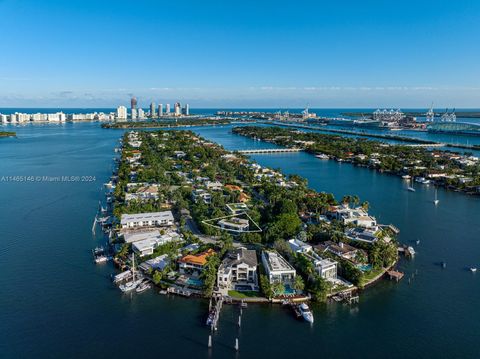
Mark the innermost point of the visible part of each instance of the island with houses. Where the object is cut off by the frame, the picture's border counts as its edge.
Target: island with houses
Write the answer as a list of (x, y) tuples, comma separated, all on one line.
[(187, 217)]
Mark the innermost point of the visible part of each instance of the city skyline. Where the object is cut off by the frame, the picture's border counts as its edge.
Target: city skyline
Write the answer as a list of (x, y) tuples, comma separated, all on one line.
[(240, 56)]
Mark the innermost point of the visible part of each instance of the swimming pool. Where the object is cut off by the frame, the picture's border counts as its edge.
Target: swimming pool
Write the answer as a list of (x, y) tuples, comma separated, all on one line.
[(364, 267), (195, 282), (288, 290)]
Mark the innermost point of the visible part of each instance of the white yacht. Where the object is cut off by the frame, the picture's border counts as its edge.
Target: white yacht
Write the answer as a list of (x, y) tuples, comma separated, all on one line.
[(306, 313), (436, 201), (322, 156)]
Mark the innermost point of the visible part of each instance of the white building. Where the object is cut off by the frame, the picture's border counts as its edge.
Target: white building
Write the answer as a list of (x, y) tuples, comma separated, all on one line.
[(134, 114), (277, 269), (146, 246), (141, 114), (201, 194), (234, 224), (167, 108), (158, 263), (160, 110), (152, 219), (238, 270), (298, 246), (214, 185), (121, 112), (3, 118), (357, 216)]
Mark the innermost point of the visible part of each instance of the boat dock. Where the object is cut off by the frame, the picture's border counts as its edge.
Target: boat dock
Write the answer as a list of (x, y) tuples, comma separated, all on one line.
[(214, 308), (395, 275)]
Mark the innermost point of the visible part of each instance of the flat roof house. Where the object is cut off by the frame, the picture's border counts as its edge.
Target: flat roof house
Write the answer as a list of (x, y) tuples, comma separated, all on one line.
[(146, 246), (153, 219), (238, 270), (299, 246), (277, 269), (234, 224)]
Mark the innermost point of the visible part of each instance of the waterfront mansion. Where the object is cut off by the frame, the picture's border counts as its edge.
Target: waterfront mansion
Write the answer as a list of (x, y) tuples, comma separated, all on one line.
[(238, 271), (277, 269)]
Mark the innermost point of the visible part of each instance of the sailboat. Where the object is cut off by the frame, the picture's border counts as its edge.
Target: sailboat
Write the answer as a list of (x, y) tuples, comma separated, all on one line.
[(436, 201), (129, 286), (410, 187)]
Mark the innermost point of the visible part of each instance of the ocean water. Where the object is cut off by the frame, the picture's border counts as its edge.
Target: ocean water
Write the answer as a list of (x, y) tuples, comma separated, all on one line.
[(56, 303)]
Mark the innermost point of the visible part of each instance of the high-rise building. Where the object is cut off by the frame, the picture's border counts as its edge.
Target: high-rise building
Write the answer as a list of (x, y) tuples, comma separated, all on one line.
[(134, 114), (122, 112), (153, 109), (167, 108), (160, 110), (141, 113), (186, 109), (178, 109), (133, 103)]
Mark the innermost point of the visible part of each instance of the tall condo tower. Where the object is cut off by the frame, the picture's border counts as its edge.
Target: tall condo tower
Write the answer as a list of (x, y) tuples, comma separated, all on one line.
[(167, 108), (160, 110), (133, 103), (153, 109)]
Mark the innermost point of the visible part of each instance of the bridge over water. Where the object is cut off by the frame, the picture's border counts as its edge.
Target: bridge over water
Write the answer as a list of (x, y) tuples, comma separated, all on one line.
[(270, 150)]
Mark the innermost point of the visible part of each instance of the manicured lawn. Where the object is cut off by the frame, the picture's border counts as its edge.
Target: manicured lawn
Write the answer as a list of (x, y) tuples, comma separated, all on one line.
[(368, 276), (246, 294)]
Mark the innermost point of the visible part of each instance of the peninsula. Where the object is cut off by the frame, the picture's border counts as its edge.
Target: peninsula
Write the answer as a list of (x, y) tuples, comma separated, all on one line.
[(195, 219)]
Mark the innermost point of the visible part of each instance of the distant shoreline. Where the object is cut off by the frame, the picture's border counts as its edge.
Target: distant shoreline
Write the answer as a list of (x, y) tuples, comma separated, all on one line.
[(7, 134)]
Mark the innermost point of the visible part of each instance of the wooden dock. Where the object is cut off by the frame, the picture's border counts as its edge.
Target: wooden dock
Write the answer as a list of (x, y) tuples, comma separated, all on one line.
[(395, 275)]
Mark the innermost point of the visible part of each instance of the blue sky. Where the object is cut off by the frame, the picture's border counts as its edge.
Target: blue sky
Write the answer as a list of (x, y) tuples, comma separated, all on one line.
[(240, 53)]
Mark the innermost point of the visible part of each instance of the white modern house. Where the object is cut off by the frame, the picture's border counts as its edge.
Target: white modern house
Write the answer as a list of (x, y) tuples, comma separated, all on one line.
[(234, 224), (238, 270), (299, 246), (325, 267), (357, 216), (214, 185), (201, 194), (153, 219), (157, 263), (277, 269), (146, 246)]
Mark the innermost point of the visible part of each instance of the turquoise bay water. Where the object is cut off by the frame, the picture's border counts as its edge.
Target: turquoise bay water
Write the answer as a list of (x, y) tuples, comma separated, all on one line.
[(55, 302)]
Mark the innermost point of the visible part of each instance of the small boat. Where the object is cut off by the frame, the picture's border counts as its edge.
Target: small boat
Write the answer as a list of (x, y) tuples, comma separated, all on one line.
[(436, 201), (306, 313), (142, 287), (411, 251), (410, 187), (473, 269), (444, 264), (417, 242), (406, 177), (322, 156), (211, 317)]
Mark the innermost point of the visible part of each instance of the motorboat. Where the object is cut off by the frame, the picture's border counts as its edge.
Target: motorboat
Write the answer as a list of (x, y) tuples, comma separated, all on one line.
[(473, 269), (322, 156), (306, 313), (142, 287)]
